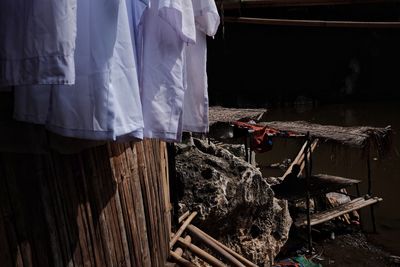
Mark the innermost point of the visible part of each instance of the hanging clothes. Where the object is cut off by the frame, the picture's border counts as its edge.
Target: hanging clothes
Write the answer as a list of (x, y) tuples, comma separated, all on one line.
[(195, 112), (104, 103), (168, 28), (37, 42), (261, 135)]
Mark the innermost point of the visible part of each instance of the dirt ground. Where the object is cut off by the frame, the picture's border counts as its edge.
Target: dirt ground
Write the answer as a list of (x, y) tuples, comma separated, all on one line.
[(339, 245)]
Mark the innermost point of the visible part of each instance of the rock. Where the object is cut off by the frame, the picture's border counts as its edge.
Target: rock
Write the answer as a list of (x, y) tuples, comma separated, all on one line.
[(235, 203)]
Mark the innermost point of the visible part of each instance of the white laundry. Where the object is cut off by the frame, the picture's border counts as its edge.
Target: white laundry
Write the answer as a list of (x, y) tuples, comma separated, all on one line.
[(195, 112), (104, 103), (37, 42), (168, 28)]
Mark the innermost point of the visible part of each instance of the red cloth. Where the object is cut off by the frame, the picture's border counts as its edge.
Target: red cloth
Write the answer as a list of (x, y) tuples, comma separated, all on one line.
[(260, 141), (261, 136)]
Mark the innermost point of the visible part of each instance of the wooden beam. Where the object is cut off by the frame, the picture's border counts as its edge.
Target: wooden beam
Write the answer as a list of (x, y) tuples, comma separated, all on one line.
[(314, 23)]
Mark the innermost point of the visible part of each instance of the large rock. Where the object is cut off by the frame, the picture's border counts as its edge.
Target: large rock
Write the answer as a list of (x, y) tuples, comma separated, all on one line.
[(235, 203)]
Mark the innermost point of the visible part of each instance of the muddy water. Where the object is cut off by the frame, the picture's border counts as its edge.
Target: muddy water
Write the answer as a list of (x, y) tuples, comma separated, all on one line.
[(349, 162)]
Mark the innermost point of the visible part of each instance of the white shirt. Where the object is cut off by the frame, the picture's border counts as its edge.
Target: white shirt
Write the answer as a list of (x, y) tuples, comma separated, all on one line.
[(168, 27), (104, 103), (37, 42), (195, 112)]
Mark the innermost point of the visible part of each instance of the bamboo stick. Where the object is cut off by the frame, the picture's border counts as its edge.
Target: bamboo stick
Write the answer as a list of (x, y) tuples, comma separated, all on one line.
[(303, 163), (180, 260), (235, 254), (299, 155), (200, 253), (195, 231), (181, 229), (314, 23), (184, 216), (294, 3)]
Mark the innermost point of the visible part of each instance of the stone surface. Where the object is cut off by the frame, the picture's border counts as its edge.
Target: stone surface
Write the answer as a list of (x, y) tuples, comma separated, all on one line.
[(235, 203)]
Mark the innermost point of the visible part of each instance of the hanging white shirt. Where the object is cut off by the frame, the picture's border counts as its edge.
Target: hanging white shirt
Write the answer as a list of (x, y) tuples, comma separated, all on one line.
[(104, 103), (195, 112), (37, 42), (168, 27)]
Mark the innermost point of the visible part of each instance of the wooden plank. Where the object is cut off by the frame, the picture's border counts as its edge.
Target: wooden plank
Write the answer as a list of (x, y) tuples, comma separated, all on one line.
[(330, 214), (314, 23), (336, 179)]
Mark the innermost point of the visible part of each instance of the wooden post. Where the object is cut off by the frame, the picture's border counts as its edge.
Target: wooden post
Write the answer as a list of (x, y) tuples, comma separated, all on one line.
[(370, 190), (307, 168)]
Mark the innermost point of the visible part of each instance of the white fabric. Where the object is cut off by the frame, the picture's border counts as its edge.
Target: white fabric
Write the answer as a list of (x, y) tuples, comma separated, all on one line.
[(104, 103), (168, 27), (195, 112), (37, 42)]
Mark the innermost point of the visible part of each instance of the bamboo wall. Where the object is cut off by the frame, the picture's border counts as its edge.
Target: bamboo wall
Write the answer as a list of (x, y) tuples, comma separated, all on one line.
[(104, 206)]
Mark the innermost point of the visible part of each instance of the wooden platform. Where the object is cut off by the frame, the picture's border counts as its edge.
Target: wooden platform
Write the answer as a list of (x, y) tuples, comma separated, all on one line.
[(330, 214)]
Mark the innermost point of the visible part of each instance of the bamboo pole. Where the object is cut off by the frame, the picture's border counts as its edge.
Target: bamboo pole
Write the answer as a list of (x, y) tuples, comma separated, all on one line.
[(299, 155), (307, 166), (300, 158), (195, 231), (200, 253), (309, 153), (183, 217), (235, 254), (314, 23), (180, 260), (182, 229), (294, 3)]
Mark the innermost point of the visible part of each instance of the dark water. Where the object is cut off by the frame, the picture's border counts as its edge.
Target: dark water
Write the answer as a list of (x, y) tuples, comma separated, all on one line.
[(349, 162)]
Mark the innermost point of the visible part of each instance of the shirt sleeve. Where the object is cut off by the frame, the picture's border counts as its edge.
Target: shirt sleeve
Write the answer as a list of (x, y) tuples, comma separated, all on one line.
[(179, 14), (206, 16)]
